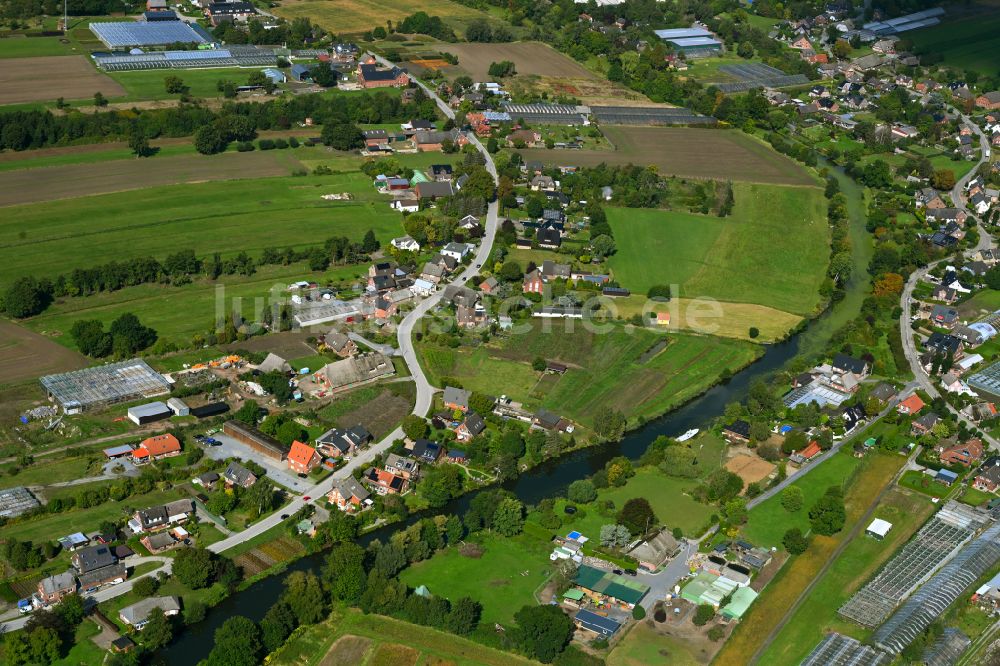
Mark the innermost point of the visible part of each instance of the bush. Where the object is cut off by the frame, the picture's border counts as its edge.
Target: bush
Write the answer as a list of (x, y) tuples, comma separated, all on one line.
[(703, 614), (266, 144), (638, 613), (244, 146), (716, 633)]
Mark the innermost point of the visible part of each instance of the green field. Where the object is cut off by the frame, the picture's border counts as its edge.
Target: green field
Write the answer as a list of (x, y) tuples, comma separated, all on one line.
[(33, 47), (969, 44), (769, 521), (496, 579), (643, 646), (609, 372), (772, 251), (148, 85), (856, 564)]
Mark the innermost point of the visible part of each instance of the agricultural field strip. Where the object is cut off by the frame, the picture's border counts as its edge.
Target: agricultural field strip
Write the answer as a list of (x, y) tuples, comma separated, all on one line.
[(45, 78)]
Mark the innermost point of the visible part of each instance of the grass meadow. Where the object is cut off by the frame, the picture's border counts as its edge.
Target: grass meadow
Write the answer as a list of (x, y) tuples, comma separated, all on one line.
[(862, 489), (859, 561), (605, 368), (772, 251)]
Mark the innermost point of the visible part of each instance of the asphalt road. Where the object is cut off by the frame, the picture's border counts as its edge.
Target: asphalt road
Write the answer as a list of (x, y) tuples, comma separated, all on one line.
[(424, 396)]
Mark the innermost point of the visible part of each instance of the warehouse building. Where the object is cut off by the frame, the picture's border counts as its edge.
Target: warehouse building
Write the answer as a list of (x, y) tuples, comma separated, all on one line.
[(256, 440), (148, 413), (692, 42), (93, 388)]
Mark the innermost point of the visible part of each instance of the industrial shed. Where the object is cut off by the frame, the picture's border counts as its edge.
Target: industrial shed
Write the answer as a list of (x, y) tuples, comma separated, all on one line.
[(604, 584), (739, 604), (104, 385), (148, 413), (256, 440)]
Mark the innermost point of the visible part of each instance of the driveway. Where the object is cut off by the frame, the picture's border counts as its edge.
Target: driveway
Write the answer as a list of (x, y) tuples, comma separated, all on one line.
[(277, 472), (661, 584)]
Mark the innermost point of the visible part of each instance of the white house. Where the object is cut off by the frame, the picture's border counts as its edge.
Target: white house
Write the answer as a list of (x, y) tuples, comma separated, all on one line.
[(422, 287), (457, 251), (406, 243)]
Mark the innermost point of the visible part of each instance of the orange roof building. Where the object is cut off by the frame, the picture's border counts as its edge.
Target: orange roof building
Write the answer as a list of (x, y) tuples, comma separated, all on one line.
[(810, 451), (302, 458), (912, 405), (156, 447)]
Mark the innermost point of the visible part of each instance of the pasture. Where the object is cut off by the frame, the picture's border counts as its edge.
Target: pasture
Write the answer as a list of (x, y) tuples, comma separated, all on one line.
[(25, 355), (33, 47), (359, 16), (48, 77), (969, 44), (148, 84), (730, 320), (687, 152), (772, 251)]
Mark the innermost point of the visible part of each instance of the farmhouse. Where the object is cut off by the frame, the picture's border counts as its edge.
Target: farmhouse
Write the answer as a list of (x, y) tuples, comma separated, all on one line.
[(156, 448), (433, 140), (340, 343), (653, 552), (227, 12), (965, 454), (354, 371), (371, 76), (989, 101), (53, 589)]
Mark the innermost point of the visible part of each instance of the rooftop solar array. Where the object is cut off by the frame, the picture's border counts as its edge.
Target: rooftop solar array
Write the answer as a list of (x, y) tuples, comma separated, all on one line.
[(756, 75), (105, 384), (938, 593), (933, 545), (125, 34), (229, 57), (641, 115)]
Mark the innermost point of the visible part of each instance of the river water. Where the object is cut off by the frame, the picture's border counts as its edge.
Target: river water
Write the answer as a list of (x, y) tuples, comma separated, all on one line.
[(551, 479)]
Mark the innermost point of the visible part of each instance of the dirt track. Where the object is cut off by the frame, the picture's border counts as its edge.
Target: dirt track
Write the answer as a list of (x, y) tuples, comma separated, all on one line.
[(45, 78), (24, 355), (77, 180)]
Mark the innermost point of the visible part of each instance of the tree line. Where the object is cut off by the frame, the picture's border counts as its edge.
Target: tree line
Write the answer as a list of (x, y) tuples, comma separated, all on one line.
[(36, 128)]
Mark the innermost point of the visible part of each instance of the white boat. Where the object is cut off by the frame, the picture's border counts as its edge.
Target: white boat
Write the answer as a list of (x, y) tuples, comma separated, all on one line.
[(688, 435)]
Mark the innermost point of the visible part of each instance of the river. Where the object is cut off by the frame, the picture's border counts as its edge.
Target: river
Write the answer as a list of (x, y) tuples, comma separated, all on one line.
[(553, 477)]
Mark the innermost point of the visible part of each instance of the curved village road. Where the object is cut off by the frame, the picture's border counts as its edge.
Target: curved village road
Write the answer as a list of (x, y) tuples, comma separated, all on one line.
[(424, 397)]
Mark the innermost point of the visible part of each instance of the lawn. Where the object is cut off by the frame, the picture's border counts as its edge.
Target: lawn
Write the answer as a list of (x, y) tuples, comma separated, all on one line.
[(969, 44), (33, 47), (857, 563), (503, 579), (772, 251), (922, 483), (782, 592), (768, 520), (605, 368), (730, 320), (53, 470)]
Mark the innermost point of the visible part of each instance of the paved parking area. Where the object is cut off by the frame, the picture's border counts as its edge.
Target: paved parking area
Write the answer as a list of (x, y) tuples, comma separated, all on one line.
[(277, 472)]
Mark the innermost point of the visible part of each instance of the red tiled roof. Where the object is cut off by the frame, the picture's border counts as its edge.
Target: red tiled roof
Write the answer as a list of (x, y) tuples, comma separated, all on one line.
[(810, 450), (159, 445), (912, 405), (301, 453)]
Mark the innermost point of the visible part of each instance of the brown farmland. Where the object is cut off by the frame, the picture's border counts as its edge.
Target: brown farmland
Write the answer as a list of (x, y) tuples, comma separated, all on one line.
[(528, 58), (25, 355), (48, 77), (77, 180), (688, 152)]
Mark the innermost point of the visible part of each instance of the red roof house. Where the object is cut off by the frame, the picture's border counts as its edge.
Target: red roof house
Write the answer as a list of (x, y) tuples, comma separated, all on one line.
[(302, 458), (912, 405)]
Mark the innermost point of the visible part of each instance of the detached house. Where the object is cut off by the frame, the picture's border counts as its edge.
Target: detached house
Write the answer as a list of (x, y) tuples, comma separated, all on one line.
[(928, 197), (472, 426), (965, 454), (407, 468), (347, 494), (302, 458), (238, 475), (924, 424), (737, 432), (988, 476), (456, 398), (370, 76)]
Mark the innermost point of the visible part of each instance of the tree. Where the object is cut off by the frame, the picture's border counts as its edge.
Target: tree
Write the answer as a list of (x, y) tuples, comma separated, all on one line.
[(581, 491), (370, 243), (745, 50), (100, 99), (703, 614), (276, 626), (158, 631), (344, 572), (602, 246), (138, 142), (795, 440), (129, 335), (794, 541), (174, 85), (723, 485), (637, 515), (609, 424), (415, 427), (679, 460), (539, 364), (792, 498), (615, 536), (194, 567), (41, 645), (260, 497), (25, 297), (511, 272), (736, 511), (508, 519), (754, 332), (542, 631), (145, 587), (324, 76), (210, 139), (464, 616), (237, 643), (638, 613), (342, 136), (842, 49), (828, 515), (248, 413), (305, 597), (91, 338), (480, 403), (943, 179)]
